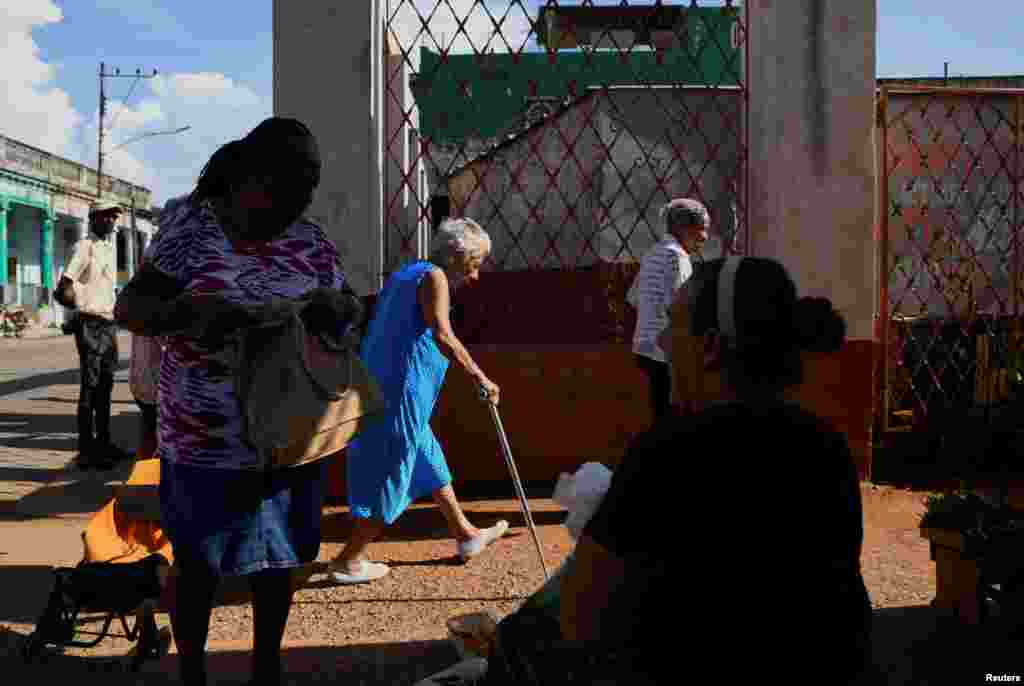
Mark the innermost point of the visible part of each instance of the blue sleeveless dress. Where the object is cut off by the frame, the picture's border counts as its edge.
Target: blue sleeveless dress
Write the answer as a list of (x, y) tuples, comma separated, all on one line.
[(398, 460)]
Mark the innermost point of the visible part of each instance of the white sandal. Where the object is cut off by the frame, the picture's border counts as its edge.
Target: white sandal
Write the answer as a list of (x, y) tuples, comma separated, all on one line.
[(467, 550), (368, 571)]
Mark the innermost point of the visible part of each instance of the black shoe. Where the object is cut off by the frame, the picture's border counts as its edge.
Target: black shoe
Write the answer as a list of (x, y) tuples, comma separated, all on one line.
[(92, 460), (112, 453)]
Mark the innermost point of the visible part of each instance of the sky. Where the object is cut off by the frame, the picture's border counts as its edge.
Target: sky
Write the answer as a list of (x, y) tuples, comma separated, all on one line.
[(214, 67)]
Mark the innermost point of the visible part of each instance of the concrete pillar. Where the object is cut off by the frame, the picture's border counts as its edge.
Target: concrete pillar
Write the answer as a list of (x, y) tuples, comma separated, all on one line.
[(324, 76), (46, 253), (812, 98)]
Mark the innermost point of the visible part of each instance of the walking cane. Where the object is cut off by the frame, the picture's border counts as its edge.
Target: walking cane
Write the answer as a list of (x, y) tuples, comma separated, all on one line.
[(515, 477)]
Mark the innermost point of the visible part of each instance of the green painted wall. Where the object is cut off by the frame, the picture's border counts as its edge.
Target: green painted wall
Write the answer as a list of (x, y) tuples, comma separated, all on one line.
[(481, 96)]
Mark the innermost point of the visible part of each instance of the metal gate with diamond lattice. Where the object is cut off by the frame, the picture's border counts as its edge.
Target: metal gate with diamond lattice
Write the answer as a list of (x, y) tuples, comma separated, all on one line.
[(562, 128), (950, 305)]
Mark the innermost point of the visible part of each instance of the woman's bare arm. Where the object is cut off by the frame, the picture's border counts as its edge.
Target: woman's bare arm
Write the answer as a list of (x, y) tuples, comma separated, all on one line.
[(435, 304), (152, 304), (593, 577)]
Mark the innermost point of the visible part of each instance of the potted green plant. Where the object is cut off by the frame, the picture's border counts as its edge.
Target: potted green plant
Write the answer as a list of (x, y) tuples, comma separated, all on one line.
[(969, 530)]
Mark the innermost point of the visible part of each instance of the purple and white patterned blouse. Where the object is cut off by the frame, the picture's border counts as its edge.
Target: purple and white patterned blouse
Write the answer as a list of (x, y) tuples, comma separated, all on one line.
[(200, 420)]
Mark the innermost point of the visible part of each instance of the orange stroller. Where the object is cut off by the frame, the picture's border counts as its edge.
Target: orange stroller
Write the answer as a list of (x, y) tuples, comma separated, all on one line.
[(127, 529), (123, 570)]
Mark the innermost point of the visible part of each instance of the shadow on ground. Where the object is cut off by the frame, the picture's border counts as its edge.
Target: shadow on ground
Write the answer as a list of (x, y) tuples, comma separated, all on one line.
[(76, 492), (58, 378), (426, 523), (34, 583), (37, 431), (914, 646), (27, 474), (65, 489), (921, 646), (354, 665)]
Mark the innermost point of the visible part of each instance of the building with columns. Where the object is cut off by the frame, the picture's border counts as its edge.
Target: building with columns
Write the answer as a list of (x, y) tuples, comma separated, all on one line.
[(44, 210)]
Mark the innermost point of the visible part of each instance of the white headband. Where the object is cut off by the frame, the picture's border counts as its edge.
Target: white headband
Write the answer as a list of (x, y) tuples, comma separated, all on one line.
[(727, 296)]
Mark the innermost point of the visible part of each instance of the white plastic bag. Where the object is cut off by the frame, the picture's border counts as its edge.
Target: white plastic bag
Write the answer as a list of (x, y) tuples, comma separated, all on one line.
[(581, 493)]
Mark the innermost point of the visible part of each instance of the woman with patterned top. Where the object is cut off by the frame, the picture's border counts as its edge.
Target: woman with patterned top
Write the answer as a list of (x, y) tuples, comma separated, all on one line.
[(239, 242)]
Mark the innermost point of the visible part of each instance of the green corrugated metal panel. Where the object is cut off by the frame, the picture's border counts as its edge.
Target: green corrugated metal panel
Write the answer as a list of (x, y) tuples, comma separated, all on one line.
[(482, 96)]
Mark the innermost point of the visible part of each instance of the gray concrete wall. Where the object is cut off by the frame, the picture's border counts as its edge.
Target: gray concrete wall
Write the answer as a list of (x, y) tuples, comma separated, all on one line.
[(522, 197), (323, 75), (664, 144), (812, 89), (615, 159)]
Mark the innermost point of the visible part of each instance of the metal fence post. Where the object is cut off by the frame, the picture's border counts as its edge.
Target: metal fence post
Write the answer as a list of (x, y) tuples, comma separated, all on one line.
[(883, 261)]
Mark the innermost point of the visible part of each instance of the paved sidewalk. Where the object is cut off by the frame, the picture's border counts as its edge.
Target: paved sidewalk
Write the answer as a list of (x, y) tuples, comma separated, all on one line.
[(30, 364), (391, 634), (39, 382), (305, 662), (38, 476)]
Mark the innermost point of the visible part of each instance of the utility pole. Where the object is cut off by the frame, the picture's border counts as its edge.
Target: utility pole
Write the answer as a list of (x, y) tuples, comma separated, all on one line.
[(103, 111)]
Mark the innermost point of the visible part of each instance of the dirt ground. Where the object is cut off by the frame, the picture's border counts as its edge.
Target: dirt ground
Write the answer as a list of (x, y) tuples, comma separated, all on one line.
[(393, 632)]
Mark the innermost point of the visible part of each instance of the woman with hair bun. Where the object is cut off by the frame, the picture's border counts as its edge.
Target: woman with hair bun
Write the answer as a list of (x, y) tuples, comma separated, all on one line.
[(729, 541), (757, 498)]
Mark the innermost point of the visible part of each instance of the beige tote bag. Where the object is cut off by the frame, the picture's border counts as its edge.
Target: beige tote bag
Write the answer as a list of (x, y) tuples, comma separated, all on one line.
[(304, 397)]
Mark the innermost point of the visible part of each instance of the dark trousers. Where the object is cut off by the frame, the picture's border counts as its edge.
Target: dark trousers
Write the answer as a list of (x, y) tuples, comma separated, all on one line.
[(149, 417), (660, 385), (96, 339)]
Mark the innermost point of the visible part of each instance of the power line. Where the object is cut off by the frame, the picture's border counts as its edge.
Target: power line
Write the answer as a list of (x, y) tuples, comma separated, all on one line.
[(104, 75), (124, 102)]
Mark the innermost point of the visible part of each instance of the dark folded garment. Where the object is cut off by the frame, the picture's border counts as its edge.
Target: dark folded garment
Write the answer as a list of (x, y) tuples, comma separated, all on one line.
[(113, 586)]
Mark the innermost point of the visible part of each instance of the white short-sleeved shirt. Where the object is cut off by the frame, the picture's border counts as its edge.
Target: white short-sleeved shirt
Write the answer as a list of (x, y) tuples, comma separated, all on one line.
[(663, 271), (93, 273)]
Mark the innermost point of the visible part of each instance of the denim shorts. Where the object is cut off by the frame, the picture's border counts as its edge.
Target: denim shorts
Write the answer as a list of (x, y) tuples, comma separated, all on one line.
[(228, 522)]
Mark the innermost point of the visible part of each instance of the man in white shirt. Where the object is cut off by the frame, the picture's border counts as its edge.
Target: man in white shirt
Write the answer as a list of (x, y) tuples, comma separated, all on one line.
[(663, 271), (91, 273)]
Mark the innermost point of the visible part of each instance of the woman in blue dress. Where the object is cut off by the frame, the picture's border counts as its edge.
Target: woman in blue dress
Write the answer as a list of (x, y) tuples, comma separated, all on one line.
[(407, 348)]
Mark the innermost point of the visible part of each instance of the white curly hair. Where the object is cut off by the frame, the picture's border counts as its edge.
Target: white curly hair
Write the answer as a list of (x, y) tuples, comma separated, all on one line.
[(685, 212), (461, 237)]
